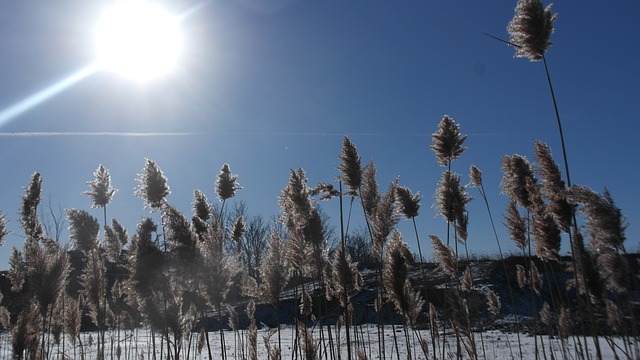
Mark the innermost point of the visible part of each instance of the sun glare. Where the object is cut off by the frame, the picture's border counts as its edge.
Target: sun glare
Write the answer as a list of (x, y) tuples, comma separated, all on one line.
[(138, 40)]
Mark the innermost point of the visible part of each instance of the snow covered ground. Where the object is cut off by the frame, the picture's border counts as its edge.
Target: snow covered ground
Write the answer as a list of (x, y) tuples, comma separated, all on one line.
[(493, 344)]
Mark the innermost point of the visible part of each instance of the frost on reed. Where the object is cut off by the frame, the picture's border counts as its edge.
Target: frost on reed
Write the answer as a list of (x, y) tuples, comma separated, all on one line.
[(350, 167), (530, 29), (447, 141), (152, 186)]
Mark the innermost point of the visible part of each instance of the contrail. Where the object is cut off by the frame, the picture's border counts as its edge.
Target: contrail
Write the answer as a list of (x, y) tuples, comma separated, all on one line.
[(102, 133)]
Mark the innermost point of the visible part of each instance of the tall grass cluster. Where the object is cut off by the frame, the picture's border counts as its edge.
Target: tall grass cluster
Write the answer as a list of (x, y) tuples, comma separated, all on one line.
[(183, 275)]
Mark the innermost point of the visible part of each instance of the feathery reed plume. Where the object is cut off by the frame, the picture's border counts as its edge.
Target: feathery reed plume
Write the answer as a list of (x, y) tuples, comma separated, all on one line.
[(295, 203), (467, 280), (516, 225), (101, 191), (521, 275), (200, 205), (343, 272), (604, 220), (274, 271), (350, 167), (226, 185), (83, 230), (517, 174), (384, 219), (546, 234), (3, 228), (29, 208), (553, 186), (202, 211), (119, 238), (17, 270), (530, 29), (396, 279), (546, 315), (493, 302), (476, 176), (407, 203), (237, 231), (202, 339), (536, 278), (369, 193), (181, 241), (446, 256), (152, 186), (253, 330), (324, 191), (606, 227), (447, 141), (451, 198)]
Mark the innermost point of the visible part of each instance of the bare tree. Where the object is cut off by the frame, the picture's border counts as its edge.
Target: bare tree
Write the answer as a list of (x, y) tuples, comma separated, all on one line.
[(358, 246), (53, 219)]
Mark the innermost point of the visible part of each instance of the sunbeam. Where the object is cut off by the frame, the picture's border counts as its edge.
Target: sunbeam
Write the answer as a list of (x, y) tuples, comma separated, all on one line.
[(41, 96)]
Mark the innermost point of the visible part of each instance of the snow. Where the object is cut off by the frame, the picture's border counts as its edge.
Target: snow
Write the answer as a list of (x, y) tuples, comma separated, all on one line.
[(493, 344)]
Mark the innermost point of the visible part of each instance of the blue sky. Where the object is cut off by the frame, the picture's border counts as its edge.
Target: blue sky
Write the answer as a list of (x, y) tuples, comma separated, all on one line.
[(270, 88)]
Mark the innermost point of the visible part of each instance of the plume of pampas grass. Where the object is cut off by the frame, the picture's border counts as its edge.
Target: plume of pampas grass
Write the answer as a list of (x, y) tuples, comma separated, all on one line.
[(384, 219), (546, 315), (350, 167), (553, 186), (83, 229), (447, 141), (237, 230), (451, 198), (517, 174), (3, 228), (253, 330), (325, 191), (152, 186), (369, 193), (521, 275), (295, 203), (396, 281), (226, 184), (604, 220), (476, 176), (530, 29), (200, 205), (536, 278), (467, 280), (342, 272), (116, 237), (446, 256), (516, 225), (180, 238), (493, 302), (274, 271), (408, 204), (546, 236), (101, 191), (606, 227), (29, 207), (17, 270)]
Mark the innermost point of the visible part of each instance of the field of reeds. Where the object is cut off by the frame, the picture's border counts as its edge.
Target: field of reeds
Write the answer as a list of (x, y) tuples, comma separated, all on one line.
[(204, 285)]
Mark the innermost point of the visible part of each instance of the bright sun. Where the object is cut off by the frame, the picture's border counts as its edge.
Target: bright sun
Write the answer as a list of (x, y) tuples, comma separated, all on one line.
[(138, 40)]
